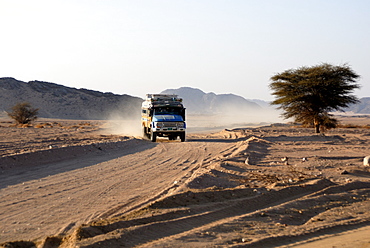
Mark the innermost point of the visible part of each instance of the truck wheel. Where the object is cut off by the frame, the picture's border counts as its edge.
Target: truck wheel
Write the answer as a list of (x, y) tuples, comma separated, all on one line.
[(182, 137), (144, 134), (153, 136)]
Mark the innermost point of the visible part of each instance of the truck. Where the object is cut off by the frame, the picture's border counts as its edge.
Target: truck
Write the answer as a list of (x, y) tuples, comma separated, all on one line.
[(163, 115)]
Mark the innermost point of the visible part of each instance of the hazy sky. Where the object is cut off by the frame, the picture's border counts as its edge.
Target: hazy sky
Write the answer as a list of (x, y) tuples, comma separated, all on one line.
[(145, 46)]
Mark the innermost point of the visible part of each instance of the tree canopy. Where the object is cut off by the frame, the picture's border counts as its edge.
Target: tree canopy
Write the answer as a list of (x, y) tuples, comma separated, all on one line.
[(308, 94)]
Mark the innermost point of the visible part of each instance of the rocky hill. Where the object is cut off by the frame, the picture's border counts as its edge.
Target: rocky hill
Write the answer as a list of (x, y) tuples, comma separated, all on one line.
[(58, 101), (363, 107), (199, 102)]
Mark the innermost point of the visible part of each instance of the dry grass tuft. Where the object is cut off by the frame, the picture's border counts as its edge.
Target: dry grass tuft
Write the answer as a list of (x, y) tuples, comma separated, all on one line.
[(71, 127), (353, 126), (85, 124), (39, 126), (44, 125), (24, 125)]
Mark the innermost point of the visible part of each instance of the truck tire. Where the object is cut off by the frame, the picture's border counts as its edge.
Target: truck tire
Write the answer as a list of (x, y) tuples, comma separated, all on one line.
[(153, 136), (182, 137), (144, 134)]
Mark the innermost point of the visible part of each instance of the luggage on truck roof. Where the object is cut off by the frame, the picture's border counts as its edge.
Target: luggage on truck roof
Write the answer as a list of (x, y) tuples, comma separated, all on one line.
[(162, 97)]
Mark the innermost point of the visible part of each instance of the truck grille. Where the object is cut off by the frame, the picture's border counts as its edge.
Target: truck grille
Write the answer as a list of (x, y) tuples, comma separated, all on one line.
[(169, 124)]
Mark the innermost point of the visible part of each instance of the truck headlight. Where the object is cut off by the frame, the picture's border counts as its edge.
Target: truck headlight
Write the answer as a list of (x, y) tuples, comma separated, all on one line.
[(180, 125), (159, 124)]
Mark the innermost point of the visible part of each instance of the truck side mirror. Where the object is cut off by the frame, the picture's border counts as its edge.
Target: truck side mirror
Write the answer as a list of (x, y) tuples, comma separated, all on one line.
[(183, 114)]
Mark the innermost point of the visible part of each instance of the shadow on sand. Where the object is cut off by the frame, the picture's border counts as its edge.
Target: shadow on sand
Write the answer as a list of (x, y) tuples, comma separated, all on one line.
[(33, 166)]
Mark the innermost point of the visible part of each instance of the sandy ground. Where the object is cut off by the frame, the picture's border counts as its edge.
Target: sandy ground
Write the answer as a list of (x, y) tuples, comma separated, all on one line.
[(73, 184)]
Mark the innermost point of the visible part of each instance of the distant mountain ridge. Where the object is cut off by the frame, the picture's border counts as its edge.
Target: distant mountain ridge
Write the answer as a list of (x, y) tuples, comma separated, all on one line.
[(58, 101), (363, 107), (199, 102)]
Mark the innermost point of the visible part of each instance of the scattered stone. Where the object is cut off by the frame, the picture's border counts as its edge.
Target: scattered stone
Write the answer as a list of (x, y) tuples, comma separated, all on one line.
[(317, 219), (247, 161), (367, 160), (285, 160), (263, 214), (344, 172)]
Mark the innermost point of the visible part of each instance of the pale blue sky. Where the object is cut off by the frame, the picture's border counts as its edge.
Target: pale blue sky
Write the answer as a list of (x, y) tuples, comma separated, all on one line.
[(145, 46)]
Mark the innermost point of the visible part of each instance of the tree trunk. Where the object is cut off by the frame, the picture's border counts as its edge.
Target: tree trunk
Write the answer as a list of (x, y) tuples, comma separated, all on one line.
[(317, 128), (316, 124)]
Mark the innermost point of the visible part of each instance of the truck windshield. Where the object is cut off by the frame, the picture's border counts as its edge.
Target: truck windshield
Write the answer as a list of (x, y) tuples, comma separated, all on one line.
[(167, 111)]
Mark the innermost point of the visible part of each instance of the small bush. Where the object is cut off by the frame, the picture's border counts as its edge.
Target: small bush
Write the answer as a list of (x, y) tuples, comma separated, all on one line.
[(23, 113)]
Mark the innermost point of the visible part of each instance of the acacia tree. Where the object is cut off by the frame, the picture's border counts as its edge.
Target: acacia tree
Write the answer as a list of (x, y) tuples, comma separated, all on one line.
[(23, 113), (309, 94)]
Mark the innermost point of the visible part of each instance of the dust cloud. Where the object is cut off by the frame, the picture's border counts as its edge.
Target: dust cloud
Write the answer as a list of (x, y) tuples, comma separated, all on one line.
[(233, 119), (129, 123), (124, 124)]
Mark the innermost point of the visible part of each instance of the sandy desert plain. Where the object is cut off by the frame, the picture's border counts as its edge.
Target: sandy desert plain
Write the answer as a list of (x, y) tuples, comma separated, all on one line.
[(66, 183)]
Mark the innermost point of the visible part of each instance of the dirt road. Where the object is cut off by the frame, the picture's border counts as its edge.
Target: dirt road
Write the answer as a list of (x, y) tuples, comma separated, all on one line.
[(55, 197), (251, 187)]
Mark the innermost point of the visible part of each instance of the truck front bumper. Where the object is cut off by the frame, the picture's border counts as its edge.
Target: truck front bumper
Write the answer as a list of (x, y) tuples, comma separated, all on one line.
[(168, 130)]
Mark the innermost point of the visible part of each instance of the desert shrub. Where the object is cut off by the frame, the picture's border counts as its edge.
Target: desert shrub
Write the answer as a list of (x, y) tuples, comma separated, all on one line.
[(45, 125), (84, 124), (71, 127), (23, 113), (57, 124), (354, 126), (39, 125)]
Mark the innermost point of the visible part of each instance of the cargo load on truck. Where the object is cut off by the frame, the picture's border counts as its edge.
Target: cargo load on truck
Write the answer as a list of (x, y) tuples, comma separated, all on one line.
[(163, 115)]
